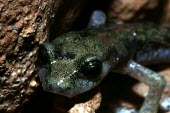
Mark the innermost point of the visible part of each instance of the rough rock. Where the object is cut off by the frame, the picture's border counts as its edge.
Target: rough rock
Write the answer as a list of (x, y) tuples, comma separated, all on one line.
[(22, 28)]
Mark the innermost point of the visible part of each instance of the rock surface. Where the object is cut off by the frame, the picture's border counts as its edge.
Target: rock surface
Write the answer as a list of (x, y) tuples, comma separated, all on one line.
[(22, 29)]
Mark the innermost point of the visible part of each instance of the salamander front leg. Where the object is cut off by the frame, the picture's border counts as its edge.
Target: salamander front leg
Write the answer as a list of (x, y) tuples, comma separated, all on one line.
[(155, 82)]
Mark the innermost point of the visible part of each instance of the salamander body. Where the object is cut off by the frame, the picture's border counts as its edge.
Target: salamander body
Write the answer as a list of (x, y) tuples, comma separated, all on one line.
[(78, 61)]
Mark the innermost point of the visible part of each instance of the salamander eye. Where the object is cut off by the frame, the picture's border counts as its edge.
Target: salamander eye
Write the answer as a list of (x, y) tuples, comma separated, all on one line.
[(91, 68)]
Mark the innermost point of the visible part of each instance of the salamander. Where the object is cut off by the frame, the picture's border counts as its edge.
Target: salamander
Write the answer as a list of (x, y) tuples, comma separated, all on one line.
[(79, 60)]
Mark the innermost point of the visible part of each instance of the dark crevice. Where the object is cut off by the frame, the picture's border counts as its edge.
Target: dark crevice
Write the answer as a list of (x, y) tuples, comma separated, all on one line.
[(83, 18), (151, 15)]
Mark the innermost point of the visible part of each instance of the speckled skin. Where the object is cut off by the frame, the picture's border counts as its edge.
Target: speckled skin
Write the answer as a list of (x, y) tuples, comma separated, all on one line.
[(117, 47)]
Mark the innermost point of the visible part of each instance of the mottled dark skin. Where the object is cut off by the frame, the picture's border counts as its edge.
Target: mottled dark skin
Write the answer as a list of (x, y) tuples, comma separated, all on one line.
[(78, 61)]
